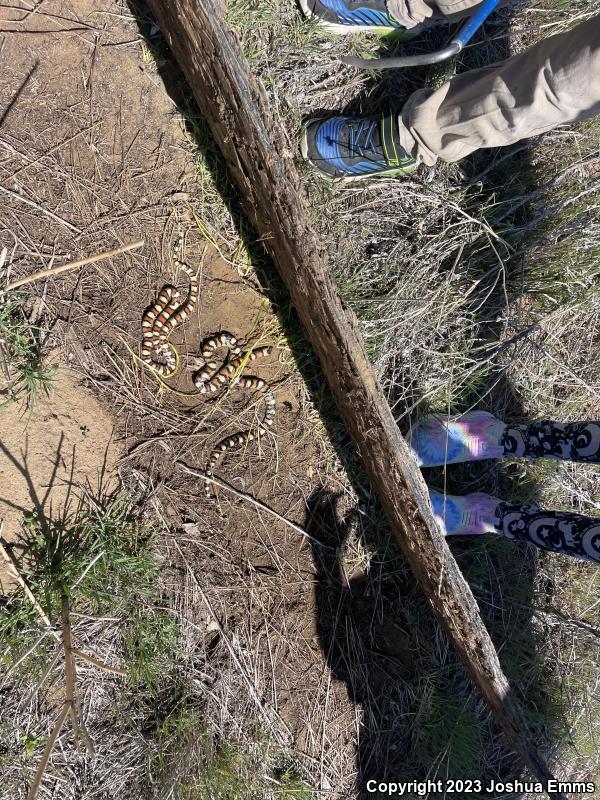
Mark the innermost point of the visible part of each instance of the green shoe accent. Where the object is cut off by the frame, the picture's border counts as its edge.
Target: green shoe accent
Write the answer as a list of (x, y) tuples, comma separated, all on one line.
[(352, 149)]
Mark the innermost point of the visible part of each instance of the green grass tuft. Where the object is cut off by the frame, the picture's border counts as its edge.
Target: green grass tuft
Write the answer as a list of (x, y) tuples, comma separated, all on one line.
[(102, 558), (443, 726), (25, 373), (192, 763)]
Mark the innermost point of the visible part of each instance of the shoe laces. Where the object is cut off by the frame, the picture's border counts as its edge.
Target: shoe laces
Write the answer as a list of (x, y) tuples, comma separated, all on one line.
[(361, 140)]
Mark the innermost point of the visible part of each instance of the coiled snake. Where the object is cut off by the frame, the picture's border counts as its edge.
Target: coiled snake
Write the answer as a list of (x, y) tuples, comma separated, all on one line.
[(158, 322)]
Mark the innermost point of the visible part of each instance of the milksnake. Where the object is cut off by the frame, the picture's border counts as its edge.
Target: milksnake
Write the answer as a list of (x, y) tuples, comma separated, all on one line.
[(211, 378), (161, 318)]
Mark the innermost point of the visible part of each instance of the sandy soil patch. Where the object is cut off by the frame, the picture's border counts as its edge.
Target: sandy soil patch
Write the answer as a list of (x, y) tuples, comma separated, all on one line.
[(52, 455)]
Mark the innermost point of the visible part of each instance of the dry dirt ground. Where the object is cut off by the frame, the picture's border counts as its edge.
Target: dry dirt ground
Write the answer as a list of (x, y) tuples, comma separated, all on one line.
[(52, 455), (94, 154), (281, 629)]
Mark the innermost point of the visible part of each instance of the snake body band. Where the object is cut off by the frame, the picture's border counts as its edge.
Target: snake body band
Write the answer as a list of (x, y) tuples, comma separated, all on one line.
[(214, 378), (158, 322)]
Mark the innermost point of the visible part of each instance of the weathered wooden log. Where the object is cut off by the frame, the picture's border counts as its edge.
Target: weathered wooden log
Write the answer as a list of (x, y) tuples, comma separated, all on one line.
[(274, 198)]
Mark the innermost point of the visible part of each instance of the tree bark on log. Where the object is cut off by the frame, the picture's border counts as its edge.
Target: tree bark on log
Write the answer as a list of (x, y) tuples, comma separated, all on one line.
[(260, 160)]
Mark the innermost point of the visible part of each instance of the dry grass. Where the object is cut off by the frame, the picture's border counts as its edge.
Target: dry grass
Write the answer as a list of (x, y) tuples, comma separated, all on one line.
[(475, 286)]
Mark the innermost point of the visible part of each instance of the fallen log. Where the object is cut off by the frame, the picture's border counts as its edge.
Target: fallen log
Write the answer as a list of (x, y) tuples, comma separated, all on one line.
[(274, 198)]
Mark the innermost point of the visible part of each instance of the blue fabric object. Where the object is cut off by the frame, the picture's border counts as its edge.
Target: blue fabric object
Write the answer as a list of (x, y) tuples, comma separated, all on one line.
[(367, 16), (328, 143)]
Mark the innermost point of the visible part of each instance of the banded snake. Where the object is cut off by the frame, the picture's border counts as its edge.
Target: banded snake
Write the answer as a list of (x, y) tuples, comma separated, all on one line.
[(160, 319)]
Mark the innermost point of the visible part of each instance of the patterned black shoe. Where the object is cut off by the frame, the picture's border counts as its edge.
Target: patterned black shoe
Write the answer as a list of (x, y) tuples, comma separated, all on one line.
[(348, 16), (351, 149)]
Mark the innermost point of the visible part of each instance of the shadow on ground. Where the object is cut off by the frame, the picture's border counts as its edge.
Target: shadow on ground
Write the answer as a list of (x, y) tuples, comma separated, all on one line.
[(41, 512)]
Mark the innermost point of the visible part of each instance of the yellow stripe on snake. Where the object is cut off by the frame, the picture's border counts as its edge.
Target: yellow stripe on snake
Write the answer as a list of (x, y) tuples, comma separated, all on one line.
[(158, 322)]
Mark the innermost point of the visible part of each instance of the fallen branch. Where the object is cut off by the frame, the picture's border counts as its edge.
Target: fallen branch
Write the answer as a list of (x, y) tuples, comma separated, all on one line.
[(249, 499), (44, 273)]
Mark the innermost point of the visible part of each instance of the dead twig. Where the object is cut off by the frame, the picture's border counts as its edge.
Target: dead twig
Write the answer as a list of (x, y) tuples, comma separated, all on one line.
[(14, 570), (98, 663), (69, 663), (44, 273), (70, 707), (248, 498), (40, 208), (18, 93), (79, 729), (39, 773)]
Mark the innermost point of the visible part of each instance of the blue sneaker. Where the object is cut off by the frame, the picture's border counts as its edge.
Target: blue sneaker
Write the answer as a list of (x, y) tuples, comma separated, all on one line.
[(349, 149), (348, 16)]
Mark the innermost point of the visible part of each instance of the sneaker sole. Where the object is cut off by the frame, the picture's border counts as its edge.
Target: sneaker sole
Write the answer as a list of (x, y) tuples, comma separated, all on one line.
[(393, 172), (335, 27)]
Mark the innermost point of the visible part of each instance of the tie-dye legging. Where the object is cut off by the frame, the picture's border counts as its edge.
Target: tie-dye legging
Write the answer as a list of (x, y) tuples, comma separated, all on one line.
[(560, 531)]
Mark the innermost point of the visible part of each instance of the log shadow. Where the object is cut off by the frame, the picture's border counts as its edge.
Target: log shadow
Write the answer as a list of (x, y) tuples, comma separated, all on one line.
[(420, 720), (421, 717)]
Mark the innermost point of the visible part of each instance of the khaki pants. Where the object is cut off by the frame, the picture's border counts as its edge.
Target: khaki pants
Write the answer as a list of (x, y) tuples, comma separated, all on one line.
[(413, 12), (556, 81)]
